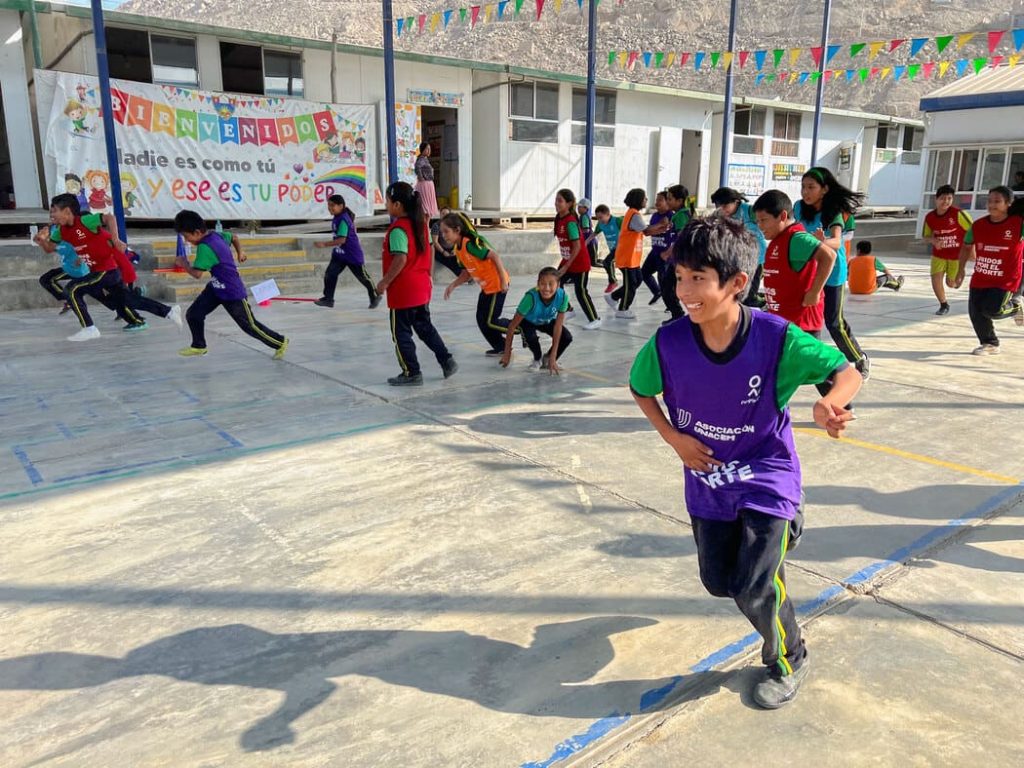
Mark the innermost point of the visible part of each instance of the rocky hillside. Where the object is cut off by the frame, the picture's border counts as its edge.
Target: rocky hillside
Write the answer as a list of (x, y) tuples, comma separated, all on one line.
[(558, 40)]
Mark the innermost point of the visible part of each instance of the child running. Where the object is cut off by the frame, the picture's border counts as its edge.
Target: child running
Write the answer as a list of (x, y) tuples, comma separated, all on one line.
[(542, 310), (96, 246), (408, 264), (945, 227), (997, 241), (587, 228), (608, 226), (443, 252), (482, 264), (71, 266), (346, 252), (677, 197), (823, 201), (864, 269), (733, 203), (629, 252), (726, 374), (654, 264), (576, 263), (225, 289)]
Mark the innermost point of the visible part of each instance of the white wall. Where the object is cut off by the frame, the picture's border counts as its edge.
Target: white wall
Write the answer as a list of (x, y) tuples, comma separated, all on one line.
[(991, 125), (18, 114), (208, 61)]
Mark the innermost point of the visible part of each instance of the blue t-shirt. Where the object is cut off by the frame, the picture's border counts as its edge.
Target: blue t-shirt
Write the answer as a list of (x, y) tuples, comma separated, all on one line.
[(610, 232), (68, 257), (838, 274), (535, 311), (745, 213)]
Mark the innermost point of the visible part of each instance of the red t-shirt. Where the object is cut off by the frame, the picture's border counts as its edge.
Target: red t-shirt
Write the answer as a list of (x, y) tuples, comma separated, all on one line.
[(997, 253), (784, 288), (568, 231), (91, 242), (413, 285), (949, 231)]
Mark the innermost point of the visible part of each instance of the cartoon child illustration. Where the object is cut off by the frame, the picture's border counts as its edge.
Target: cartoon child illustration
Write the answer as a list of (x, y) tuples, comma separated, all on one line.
[(73, 186), (128, 197), (322, 152), (76, 113), (360, 152), (225, 109), (98, 182), (347, 145)]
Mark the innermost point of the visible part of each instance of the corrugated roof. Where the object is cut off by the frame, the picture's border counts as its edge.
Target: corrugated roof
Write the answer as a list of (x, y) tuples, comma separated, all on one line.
[(999, 87)]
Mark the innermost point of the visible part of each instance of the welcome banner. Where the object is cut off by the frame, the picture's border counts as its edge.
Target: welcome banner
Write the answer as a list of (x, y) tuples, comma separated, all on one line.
[(225, 156)]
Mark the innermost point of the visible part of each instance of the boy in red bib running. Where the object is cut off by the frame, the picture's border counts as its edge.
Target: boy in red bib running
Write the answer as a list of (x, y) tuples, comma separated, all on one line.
[(945, 228)]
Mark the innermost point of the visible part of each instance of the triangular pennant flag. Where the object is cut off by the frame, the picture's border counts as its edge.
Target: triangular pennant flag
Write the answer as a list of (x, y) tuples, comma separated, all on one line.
[(964, 39), (816, 53), (398, 27), (874, 72), (943, 66), (929, 67), (462, 15), (670, 59), (886, 71), (744, 55), (623, 58), (961, 67), (683, 58), (894, 44), (917, 44), (979, 64), (942, 42), (698, 59), (422, 21), (863, 74), (759, 78), (447, 17), (659, 57), (647, 59), (727, 59), (580, 4), (759, 57), (815, 77), (715, 56), (898, 72), (501, 8), (912, 70), (474, 15), (874, 49), (996, 61), (612, 56), (827, 75), (519, 6), (832, 51), (1012, 61), (558, 6), (777, 54), (803, 77), (850, 74), (994, 38), (540, 7), (794, 55), (856, 48), (633, 56), (770, 77), (793, 76), (1018, 39), (435, 21)]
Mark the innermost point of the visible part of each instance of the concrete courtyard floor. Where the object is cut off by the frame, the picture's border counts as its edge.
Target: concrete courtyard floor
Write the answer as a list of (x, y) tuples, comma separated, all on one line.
[(232, 561)]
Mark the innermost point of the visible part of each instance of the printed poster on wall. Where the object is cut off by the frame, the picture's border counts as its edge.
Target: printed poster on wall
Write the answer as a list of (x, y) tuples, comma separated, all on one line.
[(228, 156), (747, 178), (409, 133)]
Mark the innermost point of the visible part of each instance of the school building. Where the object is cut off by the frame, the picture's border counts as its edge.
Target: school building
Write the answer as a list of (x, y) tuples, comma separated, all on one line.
[(974, 138), (508, 136)]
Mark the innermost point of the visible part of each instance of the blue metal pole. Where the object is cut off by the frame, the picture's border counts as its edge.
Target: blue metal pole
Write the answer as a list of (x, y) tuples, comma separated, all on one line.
[(727, 121), (100, 35), (588, 156), (820, 96), (389, 91)]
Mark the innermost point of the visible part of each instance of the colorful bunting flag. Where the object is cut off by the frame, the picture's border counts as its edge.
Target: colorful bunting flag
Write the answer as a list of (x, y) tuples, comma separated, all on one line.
[(447, 17), (612, 56), (964, 39), (647, 59), (398, 26), (961, 67), (698, 59), (832, 51), (894, 44), (874, 48), (996, 61), (727, 59), (422, 21), (659, 57), (683, 57), (558, 6), (816, 53), (777, 54), (929, 67), (815, 76), (1018, 39), (827, 75), (501, 8), (670, 59), (942, 41), (803, 77), (435, 21), (794, 54), (943, 66), (917, 44), (715, 56), (912, 70), (886, 71), (633, 56), (519, 6), (994, 38), (474, 14), (978, 64), (850, 74), (540, 7), (462, 15), (771, 77), (793, 76), (1012, 61), (488, 12), (744, 55), (855, 49), (759, 57), (759, 79), (862, 74)]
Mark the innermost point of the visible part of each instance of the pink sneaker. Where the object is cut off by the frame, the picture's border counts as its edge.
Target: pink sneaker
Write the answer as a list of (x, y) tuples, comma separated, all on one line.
[(611, 287)]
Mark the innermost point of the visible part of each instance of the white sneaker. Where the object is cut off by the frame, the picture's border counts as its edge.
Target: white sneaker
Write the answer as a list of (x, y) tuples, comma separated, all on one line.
[(986, 349), (534, 365), (625, 314), (1018, 316), (611, 302), (175, 316), (570, 314), (593, 325), (89, 332)]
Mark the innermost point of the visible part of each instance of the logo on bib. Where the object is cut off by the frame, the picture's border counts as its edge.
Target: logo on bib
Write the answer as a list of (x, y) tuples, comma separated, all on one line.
[(753, 390), (683, 418)]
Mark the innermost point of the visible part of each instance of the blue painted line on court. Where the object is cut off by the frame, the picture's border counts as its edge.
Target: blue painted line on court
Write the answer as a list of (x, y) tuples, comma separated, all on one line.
[(189, 396), (229, 439), (63, 429), (650, 699), (30, 469), (42, 403)]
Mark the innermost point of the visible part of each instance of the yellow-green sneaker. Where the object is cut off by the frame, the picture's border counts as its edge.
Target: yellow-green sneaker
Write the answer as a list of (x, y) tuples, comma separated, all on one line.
[(279, 355), (192, 351)]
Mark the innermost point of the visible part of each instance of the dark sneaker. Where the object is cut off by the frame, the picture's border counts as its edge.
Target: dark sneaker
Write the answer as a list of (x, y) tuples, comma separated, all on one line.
[(942, 310), (406, 380), (375, 302), (65, 309), (863, 366), (324, 302), (899, 283), (450, 367), (777, 690), (493, 352), (654, 300)]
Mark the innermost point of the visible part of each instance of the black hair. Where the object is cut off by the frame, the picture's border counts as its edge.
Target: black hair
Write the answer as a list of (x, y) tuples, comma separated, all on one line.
[(424, 145), (189, 221), (1004, 191), (1017, 207), (720, 243), (680, 192), (635, 198), (726, 195), (567, 195), (72, 177), (602, 208), (67, 200), (548, 272), (336, 200), (774, 202), (945, 189), (661, 193), (401, 192), (838, 199), (461, 224), (864, 247)]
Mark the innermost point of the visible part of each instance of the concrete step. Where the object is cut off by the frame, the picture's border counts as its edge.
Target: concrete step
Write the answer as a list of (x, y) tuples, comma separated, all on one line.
[(253, 258), (249, 243), (24, 292), (254, 274)]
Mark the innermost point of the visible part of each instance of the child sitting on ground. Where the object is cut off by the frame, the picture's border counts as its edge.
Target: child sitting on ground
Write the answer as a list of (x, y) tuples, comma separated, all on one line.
[(864, 269)]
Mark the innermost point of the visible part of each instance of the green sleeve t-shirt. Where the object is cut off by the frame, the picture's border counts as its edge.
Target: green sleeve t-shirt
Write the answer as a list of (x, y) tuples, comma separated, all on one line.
[(572, 231), (398, 241), (205, 258), (342, 230), (804, 360), (801, 249), (91, 221)]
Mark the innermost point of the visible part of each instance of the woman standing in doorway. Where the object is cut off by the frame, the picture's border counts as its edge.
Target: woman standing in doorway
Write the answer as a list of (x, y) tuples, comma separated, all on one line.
[(425, 182)]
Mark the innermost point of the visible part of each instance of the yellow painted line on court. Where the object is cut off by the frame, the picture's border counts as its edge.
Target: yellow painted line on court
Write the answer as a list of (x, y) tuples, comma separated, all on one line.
[(912, 456)]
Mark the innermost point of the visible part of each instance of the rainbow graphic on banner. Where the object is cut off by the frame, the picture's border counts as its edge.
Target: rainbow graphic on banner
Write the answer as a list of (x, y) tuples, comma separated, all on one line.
[(351, 176)]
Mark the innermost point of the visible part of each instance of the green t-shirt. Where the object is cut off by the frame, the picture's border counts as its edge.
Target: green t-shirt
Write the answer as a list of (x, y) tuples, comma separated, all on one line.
[(205, 257), (680, 219), (398, 241), (804, 360), (879, 266), (801, 249), (342, 230), (91, 221), (572, 231)]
